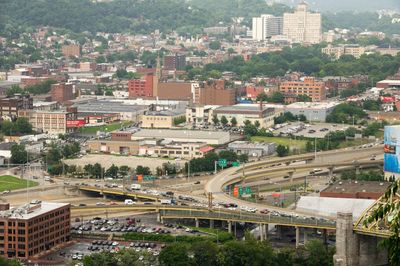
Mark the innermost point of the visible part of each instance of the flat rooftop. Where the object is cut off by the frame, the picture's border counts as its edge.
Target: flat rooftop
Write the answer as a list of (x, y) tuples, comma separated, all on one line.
[(242, 108), (104, 106), (312, 105), (179, 134), (249, 145), (353, 186), (22, 212)]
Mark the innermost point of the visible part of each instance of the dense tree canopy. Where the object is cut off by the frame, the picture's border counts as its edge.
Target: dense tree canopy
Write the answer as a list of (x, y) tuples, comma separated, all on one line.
[(309, 60)]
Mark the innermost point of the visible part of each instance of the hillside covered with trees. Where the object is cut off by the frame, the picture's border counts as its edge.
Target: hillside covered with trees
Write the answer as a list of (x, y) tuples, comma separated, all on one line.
[(139, 16)]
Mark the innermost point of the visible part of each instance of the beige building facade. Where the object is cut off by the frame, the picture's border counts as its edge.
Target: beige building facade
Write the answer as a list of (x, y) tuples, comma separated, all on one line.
[(337, 51), (302, 26), (50, 122)]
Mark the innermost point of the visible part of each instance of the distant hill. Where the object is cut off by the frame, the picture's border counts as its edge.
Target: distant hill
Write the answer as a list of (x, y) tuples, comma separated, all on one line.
[(353, 5)]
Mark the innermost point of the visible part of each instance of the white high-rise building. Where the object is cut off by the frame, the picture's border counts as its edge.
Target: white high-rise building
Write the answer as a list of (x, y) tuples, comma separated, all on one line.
[(302, 26), (266, 26)]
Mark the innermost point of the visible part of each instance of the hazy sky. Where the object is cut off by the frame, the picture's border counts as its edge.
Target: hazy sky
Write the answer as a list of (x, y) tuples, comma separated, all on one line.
[(358, 5)]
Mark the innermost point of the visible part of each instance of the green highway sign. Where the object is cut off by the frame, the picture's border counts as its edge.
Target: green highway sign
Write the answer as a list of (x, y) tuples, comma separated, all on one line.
[(236, 164), (222, 162), (248, 190)]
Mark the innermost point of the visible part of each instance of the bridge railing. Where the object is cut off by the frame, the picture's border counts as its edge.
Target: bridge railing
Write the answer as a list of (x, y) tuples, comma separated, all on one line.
[(250, 217)]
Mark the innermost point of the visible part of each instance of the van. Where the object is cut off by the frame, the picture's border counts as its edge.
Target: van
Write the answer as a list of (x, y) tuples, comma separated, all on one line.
[(129, 202), (136, 187)]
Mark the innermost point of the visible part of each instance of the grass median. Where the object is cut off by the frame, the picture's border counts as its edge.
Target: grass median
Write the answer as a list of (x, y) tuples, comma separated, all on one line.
[(8, 182)]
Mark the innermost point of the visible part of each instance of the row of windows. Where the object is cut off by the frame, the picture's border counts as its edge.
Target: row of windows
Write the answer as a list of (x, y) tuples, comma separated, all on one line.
[(156, 118)]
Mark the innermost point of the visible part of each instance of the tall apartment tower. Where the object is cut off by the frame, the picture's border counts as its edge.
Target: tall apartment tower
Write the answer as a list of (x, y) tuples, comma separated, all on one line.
[(302, 26), (267, 26)]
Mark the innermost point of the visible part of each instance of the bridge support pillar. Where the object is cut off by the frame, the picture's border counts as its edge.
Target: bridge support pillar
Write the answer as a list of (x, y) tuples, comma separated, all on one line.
[(331, 168), (279, 232), (305, 239), (196, 220), (261, 232), (369, 252), (297, 236), (265, 230), (211, 224), (290, 173), (159, 217), (229, 227), (347, 242), (357, 169), (325, 236)]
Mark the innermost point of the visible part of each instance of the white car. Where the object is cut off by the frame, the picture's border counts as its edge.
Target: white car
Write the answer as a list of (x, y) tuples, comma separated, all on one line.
[(115, 243), (100, 204)]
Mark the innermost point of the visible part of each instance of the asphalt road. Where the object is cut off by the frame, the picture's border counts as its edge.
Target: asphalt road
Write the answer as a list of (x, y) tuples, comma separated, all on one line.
[(215, 184)]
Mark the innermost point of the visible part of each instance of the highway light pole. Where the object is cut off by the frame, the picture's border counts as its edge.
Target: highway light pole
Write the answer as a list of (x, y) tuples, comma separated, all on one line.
[(315, 148)]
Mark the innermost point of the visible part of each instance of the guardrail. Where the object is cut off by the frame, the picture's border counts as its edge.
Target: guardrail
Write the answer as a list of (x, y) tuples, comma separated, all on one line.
[(120, 192), (251, 218)]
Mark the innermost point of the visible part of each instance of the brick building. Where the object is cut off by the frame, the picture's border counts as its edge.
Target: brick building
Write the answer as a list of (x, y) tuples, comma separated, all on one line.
[(310, 87), (11, 105), (61, 92), (141, 87), (214, 93), (30, 81), (175, 62), (175, 90), (33, 228), (71, 50)]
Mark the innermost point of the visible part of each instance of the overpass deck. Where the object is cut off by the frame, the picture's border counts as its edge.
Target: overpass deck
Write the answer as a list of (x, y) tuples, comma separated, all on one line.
[(116, 192), (171, 211)]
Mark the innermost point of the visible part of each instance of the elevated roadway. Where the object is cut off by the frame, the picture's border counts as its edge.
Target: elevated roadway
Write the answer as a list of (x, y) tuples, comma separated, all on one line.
[(191, 212), (335, 158), (119, 192)]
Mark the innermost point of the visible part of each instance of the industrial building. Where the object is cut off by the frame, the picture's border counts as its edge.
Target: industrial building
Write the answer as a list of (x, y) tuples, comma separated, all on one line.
[(120, 143), (252, 149), (124, 108), (356, 189), (251, 112), (161, 119), (314, 112), (209, 137), (182, 150), (33, 228), (50, 122), (200, 114)]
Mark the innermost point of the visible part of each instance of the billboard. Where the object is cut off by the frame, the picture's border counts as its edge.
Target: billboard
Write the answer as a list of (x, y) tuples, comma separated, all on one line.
[(391, 150), (76, 123)]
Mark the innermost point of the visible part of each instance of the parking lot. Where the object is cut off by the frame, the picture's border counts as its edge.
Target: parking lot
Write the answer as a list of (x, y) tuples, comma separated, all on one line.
[(139, 224), (85, 247), (319, 130)]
